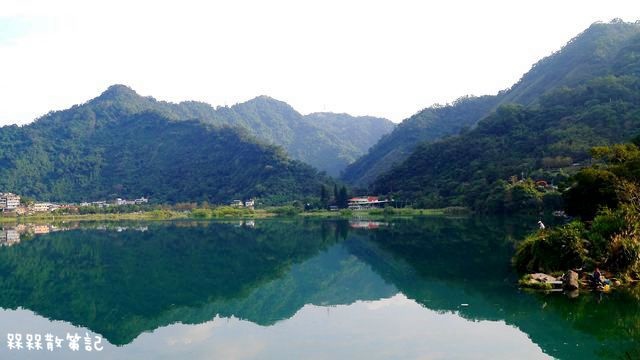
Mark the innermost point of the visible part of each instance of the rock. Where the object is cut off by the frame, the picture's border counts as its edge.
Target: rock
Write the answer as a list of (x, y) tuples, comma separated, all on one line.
[(570, 280), (543, 278), (573, 293)]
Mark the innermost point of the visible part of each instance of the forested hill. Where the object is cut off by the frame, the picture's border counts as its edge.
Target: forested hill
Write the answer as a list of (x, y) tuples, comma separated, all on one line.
[(591, 54), (101, 152), (428, 125), (326, 141), (544, 140)]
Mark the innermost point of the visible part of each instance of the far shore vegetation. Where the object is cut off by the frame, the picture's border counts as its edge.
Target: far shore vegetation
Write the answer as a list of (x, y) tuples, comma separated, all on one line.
[(605, 231), (205, 211)]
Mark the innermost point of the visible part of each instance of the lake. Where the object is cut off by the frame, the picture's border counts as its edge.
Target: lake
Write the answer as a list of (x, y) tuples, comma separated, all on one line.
[(423, 288)]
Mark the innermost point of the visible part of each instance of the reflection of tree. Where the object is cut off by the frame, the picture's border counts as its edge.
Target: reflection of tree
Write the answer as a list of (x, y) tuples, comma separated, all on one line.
[(118, 283), (442, 263), (121, 284)]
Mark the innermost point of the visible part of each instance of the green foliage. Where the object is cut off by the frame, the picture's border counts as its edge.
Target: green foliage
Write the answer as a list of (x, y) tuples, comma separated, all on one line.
[(600, 51), (342, 201), (610, 190), (346, 212), (221, 212), (287, 210), (547, 250), (428, 125), (592, 190), (604, 227), (466, 170), (89, 153), (625, 253)]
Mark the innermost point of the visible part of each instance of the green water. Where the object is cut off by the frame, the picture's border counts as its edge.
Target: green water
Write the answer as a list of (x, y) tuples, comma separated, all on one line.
[(291, 289)]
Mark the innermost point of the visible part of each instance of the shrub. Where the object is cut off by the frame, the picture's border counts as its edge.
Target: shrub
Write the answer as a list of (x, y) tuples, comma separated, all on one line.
[(286, 210), (200, 213), (624, 253), (605, 225), (346, 212), (548, 250)]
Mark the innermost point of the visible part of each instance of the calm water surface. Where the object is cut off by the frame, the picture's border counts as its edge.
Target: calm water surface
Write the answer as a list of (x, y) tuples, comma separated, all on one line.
[(429, 288)]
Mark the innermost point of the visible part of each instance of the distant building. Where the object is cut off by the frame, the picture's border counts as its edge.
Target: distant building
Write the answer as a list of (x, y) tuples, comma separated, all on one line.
[(366, 202), (9, 201), (249, 203), (44, 207), (142, 200), (236, 203), (40, 207), (99, 204)]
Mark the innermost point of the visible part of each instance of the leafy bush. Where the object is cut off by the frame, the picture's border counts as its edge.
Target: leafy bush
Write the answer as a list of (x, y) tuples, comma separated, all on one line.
[(200, 213), (604, 226), (624, 253), (548, 250), (346, 212), (286, 210)]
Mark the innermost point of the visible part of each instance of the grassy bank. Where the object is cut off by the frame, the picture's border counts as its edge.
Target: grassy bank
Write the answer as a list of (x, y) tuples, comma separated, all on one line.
[(227, 212)]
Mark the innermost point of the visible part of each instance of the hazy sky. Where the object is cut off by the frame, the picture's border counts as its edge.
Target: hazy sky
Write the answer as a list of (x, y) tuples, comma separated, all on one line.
[(383, 58)]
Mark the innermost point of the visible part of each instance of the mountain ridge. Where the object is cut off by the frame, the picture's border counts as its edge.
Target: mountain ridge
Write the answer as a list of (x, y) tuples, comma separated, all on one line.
[(548, 139), (270, 120), (565, 67)]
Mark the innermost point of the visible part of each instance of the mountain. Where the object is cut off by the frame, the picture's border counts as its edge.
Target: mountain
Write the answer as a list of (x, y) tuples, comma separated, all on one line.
[(326, 141), (96, 151), (428, 125), (590, 54), (546, 139)]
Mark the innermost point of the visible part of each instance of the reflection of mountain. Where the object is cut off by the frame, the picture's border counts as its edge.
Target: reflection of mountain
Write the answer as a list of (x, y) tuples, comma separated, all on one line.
[(332, 277), (118, 284), (122, 284), (445, 263)]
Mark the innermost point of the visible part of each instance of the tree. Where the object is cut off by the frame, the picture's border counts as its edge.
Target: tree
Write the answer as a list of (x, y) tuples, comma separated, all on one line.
[(343, 198), (593, 189), (324, 196)]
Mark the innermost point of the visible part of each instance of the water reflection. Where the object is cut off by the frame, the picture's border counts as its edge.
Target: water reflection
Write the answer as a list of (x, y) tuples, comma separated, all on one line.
[(123, 280)]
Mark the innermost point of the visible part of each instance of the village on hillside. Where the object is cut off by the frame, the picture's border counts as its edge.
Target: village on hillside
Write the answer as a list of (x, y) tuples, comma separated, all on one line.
[(15, 204)]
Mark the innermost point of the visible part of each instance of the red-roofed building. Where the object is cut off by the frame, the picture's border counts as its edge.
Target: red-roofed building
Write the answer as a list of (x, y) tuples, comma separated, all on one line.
[(366, 202)]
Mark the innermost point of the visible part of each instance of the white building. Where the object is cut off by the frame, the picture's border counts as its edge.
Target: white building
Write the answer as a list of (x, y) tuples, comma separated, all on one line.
[(9, 201), (41, 207), (366, 202), (142, 200)]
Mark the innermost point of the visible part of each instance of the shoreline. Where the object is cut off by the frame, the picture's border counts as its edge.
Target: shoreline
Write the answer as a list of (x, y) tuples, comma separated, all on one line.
[(164, 215)]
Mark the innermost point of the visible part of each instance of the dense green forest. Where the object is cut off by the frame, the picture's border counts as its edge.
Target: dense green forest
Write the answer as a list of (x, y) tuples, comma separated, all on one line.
[(542, 142), (606, 198), (601, 50), (85, 154), (431, 124), (546, 140), (326, 141)]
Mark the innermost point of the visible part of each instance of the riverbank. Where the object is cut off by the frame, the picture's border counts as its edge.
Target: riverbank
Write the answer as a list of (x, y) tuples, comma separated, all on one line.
[(231, 213)]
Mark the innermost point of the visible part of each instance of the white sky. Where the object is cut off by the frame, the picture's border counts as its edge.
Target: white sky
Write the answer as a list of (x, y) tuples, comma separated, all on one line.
[(382, 58)]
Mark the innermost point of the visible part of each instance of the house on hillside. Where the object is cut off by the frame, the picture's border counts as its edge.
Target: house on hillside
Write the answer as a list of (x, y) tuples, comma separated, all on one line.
[(366, 202), (142, 200), (40, 207), (250, 204), (9, 201)]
